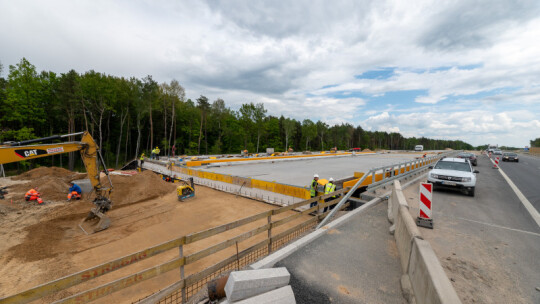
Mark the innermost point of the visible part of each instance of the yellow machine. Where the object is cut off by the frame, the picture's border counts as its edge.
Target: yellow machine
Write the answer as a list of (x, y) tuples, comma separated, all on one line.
[(18, 151), (185, 190)]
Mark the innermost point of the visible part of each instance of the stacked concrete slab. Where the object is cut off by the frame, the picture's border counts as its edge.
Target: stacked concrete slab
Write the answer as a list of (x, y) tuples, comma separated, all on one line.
[(259, 286)]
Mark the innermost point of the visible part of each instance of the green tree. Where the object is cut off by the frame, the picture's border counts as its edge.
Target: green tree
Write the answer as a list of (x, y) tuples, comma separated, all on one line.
[(322, 129), (288, 127), (259, 113), (203, 105), (247, 111), (309, 131), (23, 101)]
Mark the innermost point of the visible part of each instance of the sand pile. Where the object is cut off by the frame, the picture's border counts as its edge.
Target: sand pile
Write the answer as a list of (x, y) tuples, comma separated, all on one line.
[(60, 173), (42, 240), (367, 150), (52, 188), (137, 188)]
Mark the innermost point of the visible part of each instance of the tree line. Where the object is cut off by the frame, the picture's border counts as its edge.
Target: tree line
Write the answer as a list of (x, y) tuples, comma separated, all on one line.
[(127, 116)]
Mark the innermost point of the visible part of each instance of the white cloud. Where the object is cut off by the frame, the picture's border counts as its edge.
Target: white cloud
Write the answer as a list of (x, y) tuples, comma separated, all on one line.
[(481, 127), (283, 53)]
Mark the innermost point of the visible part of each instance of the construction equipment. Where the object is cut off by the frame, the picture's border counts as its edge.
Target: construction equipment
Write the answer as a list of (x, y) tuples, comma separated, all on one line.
[(3, 192), (186, 190), (18, 151)]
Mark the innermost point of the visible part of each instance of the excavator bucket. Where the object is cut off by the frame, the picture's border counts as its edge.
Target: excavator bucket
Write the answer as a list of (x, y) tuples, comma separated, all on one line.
[(94, 222)]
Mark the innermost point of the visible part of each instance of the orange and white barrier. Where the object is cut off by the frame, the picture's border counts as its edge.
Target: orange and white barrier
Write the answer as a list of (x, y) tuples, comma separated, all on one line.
[(424, 218)]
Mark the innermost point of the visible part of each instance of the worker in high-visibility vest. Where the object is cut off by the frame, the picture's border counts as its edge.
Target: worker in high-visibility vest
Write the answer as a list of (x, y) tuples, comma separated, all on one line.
[(313, 189), (329, 188), (157, 152), (32, 195)]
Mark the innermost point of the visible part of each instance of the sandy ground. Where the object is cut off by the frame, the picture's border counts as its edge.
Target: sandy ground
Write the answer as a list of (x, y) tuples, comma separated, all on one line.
[(40, 243)]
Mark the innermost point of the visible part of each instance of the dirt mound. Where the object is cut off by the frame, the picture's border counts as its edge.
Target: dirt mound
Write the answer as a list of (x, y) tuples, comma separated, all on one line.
[(51, 188), (56, 172), (367, 150), (137, 188), (42, 240)]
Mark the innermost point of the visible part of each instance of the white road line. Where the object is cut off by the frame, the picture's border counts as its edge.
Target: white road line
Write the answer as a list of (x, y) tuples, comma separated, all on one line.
[(532, 211), (498, 226)]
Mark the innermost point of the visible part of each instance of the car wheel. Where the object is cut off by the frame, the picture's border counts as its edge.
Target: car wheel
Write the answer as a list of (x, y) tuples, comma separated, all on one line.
[(517, 161), (470, 192)]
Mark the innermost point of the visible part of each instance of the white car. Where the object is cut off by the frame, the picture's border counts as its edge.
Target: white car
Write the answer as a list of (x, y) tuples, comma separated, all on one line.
[(454, 173)]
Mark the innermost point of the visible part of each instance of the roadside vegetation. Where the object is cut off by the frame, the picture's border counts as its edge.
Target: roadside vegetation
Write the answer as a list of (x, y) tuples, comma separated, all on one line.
[(129, 115)]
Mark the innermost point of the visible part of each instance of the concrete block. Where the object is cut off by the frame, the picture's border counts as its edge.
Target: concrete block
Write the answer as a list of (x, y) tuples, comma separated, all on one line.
[(283, 295), (405, 231), (406, 289), (391, 200), (248, 283), (398, 199), (428, 279)]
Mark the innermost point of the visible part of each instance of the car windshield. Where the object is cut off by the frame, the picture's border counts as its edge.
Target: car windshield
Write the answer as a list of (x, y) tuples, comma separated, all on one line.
[(464, 154), (448, 165), (510, 154)]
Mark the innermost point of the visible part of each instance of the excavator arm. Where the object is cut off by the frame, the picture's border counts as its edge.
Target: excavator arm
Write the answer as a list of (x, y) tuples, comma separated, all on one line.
[(18, 151)]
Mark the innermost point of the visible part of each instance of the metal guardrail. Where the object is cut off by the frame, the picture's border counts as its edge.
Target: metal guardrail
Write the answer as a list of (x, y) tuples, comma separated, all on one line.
[(394, 173)]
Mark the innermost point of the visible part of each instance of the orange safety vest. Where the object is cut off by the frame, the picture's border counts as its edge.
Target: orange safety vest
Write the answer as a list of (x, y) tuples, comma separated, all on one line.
[(31, 192)]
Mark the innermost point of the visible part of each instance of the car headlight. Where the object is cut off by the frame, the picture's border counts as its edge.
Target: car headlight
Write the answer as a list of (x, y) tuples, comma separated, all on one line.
[(465, 179), (434, 176)]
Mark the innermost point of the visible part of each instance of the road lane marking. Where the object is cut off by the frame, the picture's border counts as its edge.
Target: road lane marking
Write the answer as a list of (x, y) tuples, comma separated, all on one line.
[(498, 226), (532, 211)]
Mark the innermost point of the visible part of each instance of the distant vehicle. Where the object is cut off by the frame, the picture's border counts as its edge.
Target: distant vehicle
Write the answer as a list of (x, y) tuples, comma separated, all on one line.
[(509, 156), (470, 156), (497, 152), (491, 148), (453, 173), (419, 148), (355, 150)]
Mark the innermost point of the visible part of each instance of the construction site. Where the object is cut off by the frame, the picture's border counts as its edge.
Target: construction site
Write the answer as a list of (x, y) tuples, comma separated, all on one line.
[(159, 244)]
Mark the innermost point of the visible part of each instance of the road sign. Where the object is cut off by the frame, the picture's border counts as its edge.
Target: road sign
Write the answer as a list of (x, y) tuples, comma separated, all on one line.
[(424, 218)]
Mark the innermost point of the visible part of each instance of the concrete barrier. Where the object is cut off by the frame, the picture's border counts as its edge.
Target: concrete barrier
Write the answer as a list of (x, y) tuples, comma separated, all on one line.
[(396, 199), (424, 279), (249, 283), (405, 233), (428, 279), (283, 295)]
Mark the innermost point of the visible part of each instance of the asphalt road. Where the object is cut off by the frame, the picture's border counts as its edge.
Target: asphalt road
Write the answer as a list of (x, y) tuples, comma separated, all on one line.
[(526, 175), (488, 244), (355, 263)]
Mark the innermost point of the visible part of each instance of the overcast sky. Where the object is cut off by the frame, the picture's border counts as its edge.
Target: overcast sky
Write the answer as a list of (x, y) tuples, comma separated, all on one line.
[(466, 70)]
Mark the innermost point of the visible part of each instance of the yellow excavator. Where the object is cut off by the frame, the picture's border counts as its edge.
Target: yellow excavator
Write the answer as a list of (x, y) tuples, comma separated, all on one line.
[(23, 150)]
